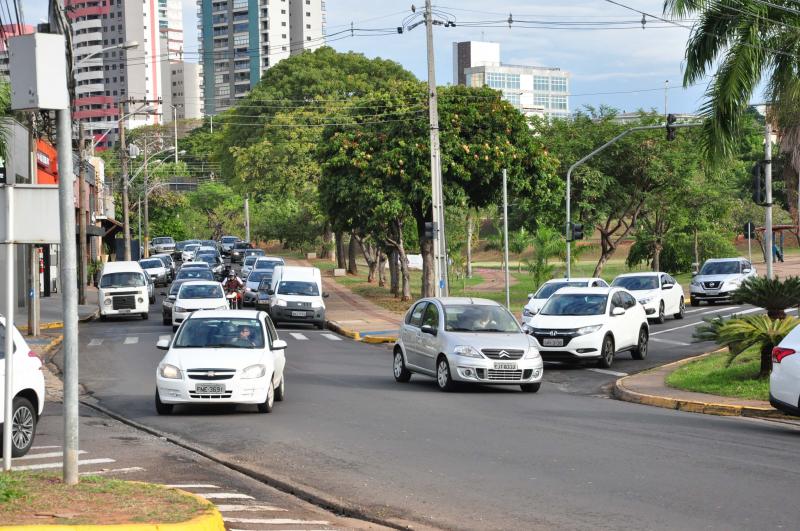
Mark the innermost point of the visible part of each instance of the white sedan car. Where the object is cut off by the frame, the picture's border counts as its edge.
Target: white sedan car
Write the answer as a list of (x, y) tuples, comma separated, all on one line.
[(222, 357), (784, 381), (590, 324), (537, 300), (659, 293), (197, 295)]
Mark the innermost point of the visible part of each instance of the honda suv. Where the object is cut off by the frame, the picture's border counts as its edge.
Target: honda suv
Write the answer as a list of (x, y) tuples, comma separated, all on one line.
[(719, 278)]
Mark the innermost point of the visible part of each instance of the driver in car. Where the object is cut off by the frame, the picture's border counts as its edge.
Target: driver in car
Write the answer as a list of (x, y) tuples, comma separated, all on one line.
[(244, 339)]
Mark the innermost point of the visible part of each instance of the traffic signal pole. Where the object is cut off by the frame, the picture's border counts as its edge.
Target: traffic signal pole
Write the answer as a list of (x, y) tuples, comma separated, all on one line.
[(568, 226), (768, 236)]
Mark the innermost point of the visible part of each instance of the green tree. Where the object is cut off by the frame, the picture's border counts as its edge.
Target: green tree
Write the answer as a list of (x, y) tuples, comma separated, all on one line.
[(547, 243), (518, 243)]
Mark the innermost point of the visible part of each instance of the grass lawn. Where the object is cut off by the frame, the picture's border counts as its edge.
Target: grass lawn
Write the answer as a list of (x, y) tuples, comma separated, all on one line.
[(712, 375), (36, 498)]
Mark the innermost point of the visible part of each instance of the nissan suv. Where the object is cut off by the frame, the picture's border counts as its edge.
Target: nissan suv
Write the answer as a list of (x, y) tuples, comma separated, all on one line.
[(719, 278)]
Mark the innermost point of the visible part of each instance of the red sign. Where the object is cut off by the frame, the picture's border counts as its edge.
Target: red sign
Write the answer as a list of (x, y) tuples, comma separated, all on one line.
[(46, 163)]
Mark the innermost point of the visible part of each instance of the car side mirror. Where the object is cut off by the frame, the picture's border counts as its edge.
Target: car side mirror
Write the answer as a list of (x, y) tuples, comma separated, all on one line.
[(667, 286), (747, 271), (325, 295), (171, 297), (617, 311), (279, 344), (428, 329), (270, 292), (163, 344), (530, 296)]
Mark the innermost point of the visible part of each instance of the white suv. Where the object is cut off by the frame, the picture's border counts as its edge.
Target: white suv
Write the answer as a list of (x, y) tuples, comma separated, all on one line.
[(28, 392), (537, 300), (719, 278), (784, 381), (590, 324)]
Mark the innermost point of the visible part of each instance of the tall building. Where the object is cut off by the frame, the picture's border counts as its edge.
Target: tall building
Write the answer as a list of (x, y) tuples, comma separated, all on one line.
[(170, 24), (7, 31), (113, 75), (240, 39), (534, 90)]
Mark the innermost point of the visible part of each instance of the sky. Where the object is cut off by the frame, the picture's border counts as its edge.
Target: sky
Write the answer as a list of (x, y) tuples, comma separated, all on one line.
[(625, 68)]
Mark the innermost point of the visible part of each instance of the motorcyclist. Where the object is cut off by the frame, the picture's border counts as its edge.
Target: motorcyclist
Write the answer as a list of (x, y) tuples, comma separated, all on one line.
[(234, 284)]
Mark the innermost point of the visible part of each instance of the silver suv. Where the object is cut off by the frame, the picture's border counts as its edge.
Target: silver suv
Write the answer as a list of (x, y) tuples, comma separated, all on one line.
[(719, 278), (466, 340)]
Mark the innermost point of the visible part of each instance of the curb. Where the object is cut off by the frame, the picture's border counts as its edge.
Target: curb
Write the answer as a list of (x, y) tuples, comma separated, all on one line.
[(60, 324), (376, 340), (621, 392), (211, 521), (358, 336)]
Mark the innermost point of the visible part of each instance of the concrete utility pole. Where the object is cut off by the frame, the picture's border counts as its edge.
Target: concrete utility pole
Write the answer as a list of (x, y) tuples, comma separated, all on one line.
[(175, 125), (82, 265), (123, 153), (768, 236), (505, 237), (8, 344), (146, 177)]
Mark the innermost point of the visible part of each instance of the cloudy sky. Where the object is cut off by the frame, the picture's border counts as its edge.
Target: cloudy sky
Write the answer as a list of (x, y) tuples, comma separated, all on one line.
[(626, 68)]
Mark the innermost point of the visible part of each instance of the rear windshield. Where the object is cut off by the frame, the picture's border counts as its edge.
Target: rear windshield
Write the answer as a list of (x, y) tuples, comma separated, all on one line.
[(291, 287), (195, 274), (250, 260), (241, 245), (548, 289), (254, 252), (266, 264), (228, 239), (150, 264), (122, 280), (205, 291), (258, 276)]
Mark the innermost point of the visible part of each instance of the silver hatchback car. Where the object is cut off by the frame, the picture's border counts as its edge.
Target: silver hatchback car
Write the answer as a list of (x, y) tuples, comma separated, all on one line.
[(460, 339)]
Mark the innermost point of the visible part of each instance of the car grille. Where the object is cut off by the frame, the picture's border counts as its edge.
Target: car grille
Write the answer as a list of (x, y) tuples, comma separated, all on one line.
[(226, 394), (298, 304), (126, 302), (712, 285), (495, 353), (545, 333), (210, 374), (492, 374)]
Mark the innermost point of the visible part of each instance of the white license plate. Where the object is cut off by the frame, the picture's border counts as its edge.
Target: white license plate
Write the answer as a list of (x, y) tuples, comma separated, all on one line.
[(124, 311), (209, 388), (553, 342), (506, 366), (298, 314)]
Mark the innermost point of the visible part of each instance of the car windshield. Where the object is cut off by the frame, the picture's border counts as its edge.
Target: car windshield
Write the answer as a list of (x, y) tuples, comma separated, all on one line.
[(478, 318), (162, 240), (228, 239), (122, 280), (195, 274), (191, 247), (250, 260), (550, 288), (220, 332), (294, 287), (575, 304), (720, 268), (265, 284), (150, 264), (207, 258), (258, 276), (637, 283), (202, 291)]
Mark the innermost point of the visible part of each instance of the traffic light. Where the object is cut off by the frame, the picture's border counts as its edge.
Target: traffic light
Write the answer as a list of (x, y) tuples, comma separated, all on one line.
[(749, 230), (577, 231), (671, 119), (431, 228), (759, 185)]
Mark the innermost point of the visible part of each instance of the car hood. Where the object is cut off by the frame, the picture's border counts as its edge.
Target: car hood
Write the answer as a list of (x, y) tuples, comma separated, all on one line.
[(644, 293), (565, 321), (480, 340), (217, 358), (535, 304), (156, 270), (201, 304), (718, 278)]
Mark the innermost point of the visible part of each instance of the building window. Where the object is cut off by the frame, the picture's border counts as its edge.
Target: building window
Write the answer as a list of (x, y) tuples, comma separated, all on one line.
[(499, 80), (540, 100), (558, 102), (541, 83), (475, 80), (558, 84), (512, 98), (241, 40)]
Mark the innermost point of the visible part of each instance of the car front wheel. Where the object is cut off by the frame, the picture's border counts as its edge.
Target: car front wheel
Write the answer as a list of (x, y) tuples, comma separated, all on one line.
[(661, 317), (161, 407), (267, 405), (606, 354), (681, 309), (443, 378), (640, 352), (401, 373)]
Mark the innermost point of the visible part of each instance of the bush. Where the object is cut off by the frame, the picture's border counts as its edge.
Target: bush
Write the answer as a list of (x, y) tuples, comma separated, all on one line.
[(677, 254)]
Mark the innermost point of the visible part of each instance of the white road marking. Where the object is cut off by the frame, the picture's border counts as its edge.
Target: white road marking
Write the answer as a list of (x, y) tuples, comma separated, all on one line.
[(751, 310), (95, 342), (113, 471), (693, 311), (164, 337), (225, 496), (606, 371), (298, 336), (716, 310), (275, 521), (247, 508), (332, 337), (47, 455), (43, 447), (671, 342), (191, 486), (131, 340), (59, 464)]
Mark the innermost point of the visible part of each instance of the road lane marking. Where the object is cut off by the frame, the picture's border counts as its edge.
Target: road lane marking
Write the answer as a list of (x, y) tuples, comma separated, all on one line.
[(247, 508), (298, 336), (192, 486), (606, 371), (95, 342), (47, 455), (164, 337), (671, 342), (225, 496), (693, 311), (275, 521), (751, 310), (105, 471), (715, 310), (332, 337), (43, 447), (131, 340), (60, 464)]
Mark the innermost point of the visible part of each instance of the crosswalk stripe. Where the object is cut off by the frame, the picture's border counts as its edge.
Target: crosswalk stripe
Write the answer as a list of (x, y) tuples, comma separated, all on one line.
[(60, 464), (47, 455), (275, 521), (112, 471), (131, 340), (225, 496), (298, 336), (192, 486), (95, 342), (332, 337), (247, 508), (606, 371)]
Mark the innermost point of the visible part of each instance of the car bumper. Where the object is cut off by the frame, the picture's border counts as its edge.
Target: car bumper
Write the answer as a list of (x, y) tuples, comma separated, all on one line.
[(651, 308), (712, 295), (789, 409), (284, 314), (586, 347), (250, 297), (484, 371), (138, 310), (237, 391)]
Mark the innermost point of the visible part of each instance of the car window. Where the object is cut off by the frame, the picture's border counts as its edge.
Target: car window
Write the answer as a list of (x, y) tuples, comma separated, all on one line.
[(272, 334), (122, 280), (431, 317), (575, 304), (220, 332), (616, 301), (478, 318), (627, 300), (3, 342), (415, 316)]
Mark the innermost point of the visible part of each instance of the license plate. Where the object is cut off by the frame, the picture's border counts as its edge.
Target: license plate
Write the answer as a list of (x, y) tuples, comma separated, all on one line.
[(506, 366), (553, 342), (298, 314), (209, 388), (124, 311)]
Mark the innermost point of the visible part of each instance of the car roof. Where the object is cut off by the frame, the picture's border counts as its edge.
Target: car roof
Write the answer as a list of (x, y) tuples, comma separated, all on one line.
[(247, 314), (587, 291), (642, 274), (739, 259), (447, 301), (573, 279)]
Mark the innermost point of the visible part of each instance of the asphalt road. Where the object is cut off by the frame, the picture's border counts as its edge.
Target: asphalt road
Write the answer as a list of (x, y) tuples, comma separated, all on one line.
[(488, 457)]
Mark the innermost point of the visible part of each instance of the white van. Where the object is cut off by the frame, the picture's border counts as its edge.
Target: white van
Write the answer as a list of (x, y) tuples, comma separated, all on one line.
[(123, 290), (296, 296)]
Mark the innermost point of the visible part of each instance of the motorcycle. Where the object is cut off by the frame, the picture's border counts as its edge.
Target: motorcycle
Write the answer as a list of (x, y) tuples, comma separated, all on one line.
[(234, 300)]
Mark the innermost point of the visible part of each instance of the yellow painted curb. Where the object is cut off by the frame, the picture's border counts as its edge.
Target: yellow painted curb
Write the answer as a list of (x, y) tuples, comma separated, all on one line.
[(43, 326), (211, 521), (336, 327), (375, 340)]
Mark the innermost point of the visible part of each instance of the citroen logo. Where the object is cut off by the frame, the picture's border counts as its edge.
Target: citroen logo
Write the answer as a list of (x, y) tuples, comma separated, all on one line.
[(503, 354)]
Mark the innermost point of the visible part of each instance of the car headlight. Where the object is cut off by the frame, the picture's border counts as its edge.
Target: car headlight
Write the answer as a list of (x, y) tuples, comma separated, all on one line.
[(467, 351), (107, 302), (531, 354), (588, 329), (180, 309), (527, 313), (696, 284), (254, 371), (170, 372), (645, 300), (280, 302), (140, 299)]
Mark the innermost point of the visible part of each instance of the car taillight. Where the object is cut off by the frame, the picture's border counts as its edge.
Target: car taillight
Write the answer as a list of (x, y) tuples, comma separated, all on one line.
[(778, 353), (32, 354)]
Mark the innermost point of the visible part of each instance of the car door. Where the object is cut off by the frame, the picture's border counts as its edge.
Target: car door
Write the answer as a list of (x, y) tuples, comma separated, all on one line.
[(410, 333), (278, 355), (429, 343), (632, 319), (617, 323)]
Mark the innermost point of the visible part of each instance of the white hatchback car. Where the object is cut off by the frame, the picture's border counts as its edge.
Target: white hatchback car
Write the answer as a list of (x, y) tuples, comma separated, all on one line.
[(222, 357), (659, 293), (28, 392), (197, 295), (537, 300), (784, 381), (590, 324)]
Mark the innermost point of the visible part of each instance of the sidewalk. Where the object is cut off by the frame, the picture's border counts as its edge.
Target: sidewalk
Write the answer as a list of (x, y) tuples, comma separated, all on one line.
[(51, 311), (648, 388), (789, 268)]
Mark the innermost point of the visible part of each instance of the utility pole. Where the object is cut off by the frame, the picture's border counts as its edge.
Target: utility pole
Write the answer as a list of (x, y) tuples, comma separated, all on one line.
[(247, 219), (82, 265), (123, 152), (146, 177), (437, 206), (175, 125), (505, 237), (768, 183), (8, 345)]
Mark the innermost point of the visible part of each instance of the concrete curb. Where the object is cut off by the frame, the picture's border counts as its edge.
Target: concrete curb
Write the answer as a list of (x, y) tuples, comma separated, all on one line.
[(621, 392), (60, 324)]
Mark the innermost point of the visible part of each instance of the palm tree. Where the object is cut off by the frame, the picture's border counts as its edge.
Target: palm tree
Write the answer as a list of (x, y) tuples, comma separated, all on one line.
[(518, 242), (547, 243), (774, 295)]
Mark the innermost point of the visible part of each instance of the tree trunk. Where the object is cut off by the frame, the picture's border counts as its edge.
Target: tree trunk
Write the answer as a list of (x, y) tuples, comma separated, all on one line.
[(607, 248), (327, 251), (370, 252), (657, 248), (399, 246), (394, 273), (352, 253), (381, 269), (469, 243), (341, 256), (696, 248), (766, 362)]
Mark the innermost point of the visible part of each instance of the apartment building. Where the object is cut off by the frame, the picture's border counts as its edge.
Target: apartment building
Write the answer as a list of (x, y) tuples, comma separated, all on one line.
[(170, 24), (240, 39), (534, 90)]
